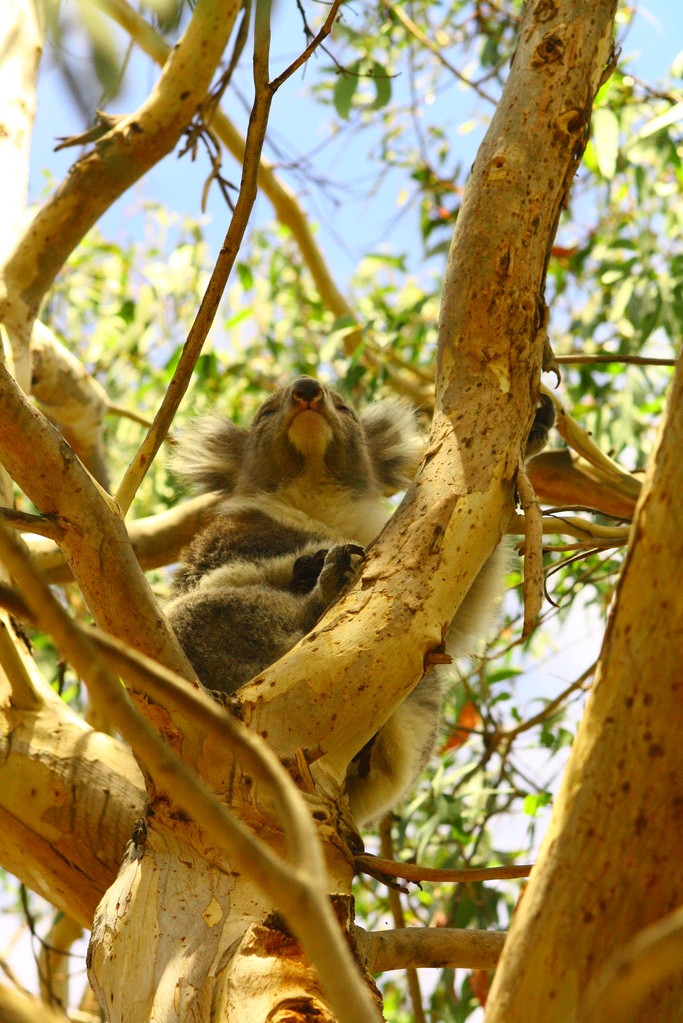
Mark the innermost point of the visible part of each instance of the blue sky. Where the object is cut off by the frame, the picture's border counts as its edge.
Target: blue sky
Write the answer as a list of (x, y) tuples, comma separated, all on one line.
[(356, 225)]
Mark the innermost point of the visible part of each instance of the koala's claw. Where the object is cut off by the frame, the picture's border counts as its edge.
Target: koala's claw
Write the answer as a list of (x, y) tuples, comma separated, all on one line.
[(341, 564)]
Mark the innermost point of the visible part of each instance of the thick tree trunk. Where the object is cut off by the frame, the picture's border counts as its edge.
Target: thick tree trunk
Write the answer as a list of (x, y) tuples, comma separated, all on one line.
[(212, 946), (611, 861)]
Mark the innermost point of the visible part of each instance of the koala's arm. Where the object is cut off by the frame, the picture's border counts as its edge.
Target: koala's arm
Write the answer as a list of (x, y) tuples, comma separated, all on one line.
[(231, 634), (248, 538), (243, 616)]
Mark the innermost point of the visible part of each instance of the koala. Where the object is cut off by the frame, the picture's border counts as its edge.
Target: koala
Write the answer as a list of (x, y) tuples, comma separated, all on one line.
[(305, 491)]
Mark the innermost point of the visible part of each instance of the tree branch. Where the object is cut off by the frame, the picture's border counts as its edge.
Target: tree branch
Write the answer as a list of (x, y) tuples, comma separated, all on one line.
[(95, 542), (636, 971), (71, 398), (18, 1006), (68, 799), (533, 552), (437, 947), (119, 158), (378, 867), (157, 540), (593, 460)]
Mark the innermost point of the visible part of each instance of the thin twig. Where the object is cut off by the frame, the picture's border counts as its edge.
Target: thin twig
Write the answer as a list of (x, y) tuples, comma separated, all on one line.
[(27, 523), (310, 49), (425, 41), (585, 545), (208, 308), (533, 552), (573, 525), (509, 736), (377, 866), (636, 360), (125, 413)]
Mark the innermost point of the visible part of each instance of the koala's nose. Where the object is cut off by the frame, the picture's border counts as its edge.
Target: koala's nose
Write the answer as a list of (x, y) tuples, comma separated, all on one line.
[(306, 389)]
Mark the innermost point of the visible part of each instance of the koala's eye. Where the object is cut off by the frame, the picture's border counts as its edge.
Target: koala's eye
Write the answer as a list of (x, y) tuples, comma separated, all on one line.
[(267, 411), (341, 407)]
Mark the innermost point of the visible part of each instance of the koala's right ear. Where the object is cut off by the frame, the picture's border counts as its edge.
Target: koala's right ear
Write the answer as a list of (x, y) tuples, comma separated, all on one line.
[(210, 453), (395, 442)]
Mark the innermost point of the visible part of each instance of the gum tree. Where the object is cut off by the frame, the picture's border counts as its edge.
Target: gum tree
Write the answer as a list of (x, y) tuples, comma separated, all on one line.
[(236, 882)]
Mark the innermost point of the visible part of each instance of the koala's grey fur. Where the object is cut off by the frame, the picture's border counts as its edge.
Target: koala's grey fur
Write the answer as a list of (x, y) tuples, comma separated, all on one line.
[(305, 490)]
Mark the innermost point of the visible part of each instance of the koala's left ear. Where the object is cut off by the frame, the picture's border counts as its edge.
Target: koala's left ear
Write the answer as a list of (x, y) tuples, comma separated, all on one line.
[(395, 442), (210, 453)]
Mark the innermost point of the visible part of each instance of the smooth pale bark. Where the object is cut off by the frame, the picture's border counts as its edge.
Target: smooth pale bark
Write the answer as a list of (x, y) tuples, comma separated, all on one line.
[(611, 861), (17, 1006), (71, 398), (69, 797), (437, 947), (235, 960)]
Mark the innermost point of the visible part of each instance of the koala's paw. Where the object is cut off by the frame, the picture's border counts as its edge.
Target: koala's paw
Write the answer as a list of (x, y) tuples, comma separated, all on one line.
[(543, 421), (341, 564), (306, 571)]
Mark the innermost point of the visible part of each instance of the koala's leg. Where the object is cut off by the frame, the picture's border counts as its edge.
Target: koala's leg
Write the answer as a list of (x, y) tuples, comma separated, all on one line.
[(231, 634), (394, 758)]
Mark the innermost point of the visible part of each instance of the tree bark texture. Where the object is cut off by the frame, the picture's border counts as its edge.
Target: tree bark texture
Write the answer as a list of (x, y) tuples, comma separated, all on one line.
[(611, 861), (70, 796), (179, 925)]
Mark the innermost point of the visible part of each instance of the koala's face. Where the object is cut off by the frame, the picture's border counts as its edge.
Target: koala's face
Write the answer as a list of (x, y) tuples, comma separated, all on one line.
[(307, 428)]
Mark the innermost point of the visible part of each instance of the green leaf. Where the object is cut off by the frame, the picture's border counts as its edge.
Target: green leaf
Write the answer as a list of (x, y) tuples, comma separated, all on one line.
[(352, 81), (536, 801), (344, 92), (606, 141), (671, 116)]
